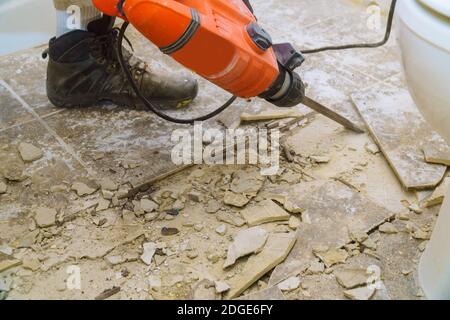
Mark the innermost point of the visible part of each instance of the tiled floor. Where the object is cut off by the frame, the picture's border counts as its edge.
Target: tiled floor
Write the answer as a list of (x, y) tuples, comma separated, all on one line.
[(98, 141)]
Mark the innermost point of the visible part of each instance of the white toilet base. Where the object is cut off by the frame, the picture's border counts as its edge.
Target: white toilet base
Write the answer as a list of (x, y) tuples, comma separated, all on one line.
[(434, 267)]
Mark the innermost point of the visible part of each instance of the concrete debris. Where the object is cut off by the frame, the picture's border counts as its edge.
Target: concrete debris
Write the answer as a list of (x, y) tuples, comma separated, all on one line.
[(315, 267), (221, 230), (149, 252), (289, 284), (330, 257), (351, 278), (14, 172), (29, 239), (294, 222), (213, 206), (388, 228), (264, 212), (358, 236), (128, 217), (272, 293), (58, 188), (213, 257), (246, 242), (3, 187), (148, 205), (108, 184), (7, 250), (193, 254), (154, 282), (199, 227), (221, 286), (233, 219), (415, 208), (423, 246), (115, 259), (204, 290), (82, 189), (362, 293), (102, 205), (29, 152), (420, 234), (8, 264), (439, 194), (320, 159), (370, 244), (292, 207), (332, 210), (32, 264), (108, 293), (235, 200), (45, 217), (406, 272), (275, 251), (437, 152), (107, 195), (149, 217), (195, 196), (247, 182)]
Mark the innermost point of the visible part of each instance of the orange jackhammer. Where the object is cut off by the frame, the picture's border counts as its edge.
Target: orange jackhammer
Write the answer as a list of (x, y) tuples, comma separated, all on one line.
[(222, 41)]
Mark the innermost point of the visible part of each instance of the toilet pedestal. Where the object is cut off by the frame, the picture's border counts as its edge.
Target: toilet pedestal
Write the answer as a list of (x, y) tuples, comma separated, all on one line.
[(434, 267)]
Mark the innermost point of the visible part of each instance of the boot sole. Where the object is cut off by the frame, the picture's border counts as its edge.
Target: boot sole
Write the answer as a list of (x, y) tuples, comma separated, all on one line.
[(87, 101)]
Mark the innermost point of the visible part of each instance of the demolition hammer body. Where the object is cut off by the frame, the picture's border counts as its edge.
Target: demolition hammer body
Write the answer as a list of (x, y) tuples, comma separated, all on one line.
[(221, 41)]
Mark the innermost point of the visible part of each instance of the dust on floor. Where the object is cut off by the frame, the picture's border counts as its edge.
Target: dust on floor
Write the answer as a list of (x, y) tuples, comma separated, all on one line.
[(340, 226)]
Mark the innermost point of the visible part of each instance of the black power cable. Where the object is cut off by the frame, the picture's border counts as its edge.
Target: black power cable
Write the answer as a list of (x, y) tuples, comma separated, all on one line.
[(362, 45), (147, 103)]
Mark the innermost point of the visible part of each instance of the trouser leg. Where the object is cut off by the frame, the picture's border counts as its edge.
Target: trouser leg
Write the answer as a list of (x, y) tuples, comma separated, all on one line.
[(74, 14)]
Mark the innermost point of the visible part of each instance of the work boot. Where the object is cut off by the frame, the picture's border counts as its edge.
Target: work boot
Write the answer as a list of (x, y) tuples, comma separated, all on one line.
[(83, 69)]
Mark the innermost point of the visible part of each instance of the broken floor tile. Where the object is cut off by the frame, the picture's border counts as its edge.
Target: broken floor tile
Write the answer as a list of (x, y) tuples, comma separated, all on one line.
[(148, 205), (108, 184), (29, 152), (272, 293), (221, 286), (204, 290), (246, 242), (235, 200), (82, 189), (290, 284), (333, 209), (388, 228), (438, 195), (332, 256), (45, 217), (233, 219), (400, 130), (149, 252), (275, 251), (362, 293), (351, 278), (264, 212), (437, 152), (8, 264), (221, 230)]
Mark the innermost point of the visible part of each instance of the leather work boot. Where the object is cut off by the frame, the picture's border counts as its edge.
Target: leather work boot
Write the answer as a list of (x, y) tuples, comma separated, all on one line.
[(83, 69)]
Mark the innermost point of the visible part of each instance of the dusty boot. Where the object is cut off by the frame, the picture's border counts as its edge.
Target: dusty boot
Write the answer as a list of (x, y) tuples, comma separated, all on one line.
[(83, 69)]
